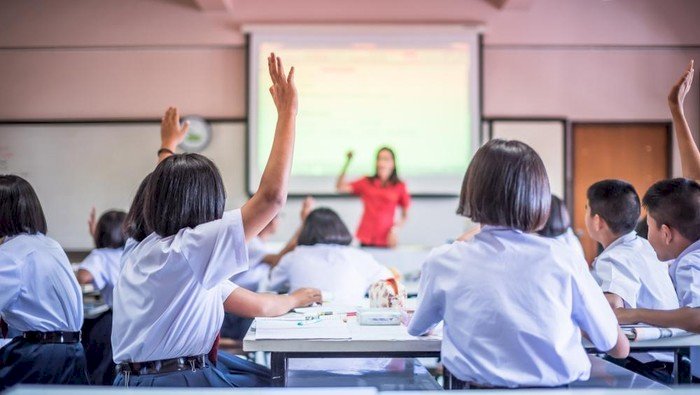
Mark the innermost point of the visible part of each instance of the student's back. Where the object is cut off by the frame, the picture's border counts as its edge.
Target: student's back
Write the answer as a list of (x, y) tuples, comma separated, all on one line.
[(345, 271), (515, 297), (28, 305)]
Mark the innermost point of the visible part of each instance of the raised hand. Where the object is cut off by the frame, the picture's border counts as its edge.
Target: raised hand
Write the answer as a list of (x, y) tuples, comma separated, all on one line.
[(349, 155), (682, 87), (307, 207), (92, 222), (283, 90), (171, 133)]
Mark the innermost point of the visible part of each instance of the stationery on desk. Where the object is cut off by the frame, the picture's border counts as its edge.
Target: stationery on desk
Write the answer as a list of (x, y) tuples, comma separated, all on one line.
[(646, 332), (301, 326)]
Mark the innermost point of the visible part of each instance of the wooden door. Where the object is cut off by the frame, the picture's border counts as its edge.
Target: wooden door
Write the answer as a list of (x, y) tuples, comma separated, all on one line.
[(638, 153)]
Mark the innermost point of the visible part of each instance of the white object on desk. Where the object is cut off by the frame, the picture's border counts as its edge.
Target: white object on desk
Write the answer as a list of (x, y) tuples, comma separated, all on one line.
[(300, 328), (379, 317), (646, 332)]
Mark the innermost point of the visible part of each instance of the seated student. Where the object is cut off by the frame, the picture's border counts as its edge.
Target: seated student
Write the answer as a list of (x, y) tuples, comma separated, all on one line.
[(324, 259), (101, 268), (513, 303), (627, 270), (39, 295), (558, 226), (673, 215), (174, 286), (689, 152)]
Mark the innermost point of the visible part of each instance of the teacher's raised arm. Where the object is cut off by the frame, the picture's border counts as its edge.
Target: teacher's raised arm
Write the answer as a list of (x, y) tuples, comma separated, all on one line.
[(342, 186)]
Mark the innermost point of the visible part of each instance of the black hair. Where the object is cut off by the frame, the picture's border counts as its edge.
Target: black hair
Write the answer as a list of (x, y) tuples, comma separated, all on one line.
[(20, 209), (185, 190), (676, 204), (109, 231), (394, 177), (616, 202), (558, 222), (324, 226), (642, 228), (506, 184), (135, 223)]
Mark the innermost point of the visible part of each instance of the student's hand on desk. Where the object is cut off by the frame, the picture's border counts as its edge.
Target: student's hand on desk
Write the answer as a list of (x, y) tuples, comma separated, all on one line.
[(171, 133), (92, 222), (306, 296), (283, 90), (626, 316), (681, 88)]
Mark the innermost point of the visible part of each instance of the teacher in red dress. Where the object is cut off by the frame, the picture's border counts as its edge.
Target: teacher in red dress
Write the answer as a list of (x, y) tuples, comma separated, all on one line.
[(381, 194)]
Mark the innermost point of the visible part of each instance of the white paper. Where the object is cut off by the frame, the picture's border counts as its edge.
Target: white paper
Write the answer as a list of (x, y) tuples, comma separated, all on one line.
[(301, 329)]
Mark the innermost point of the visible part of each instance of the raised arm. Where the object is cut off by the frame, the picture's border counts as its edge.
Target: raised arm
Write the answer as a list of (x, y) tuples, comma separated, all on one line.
[(690, 156), (171, 133), (272, 193), (342, 186)]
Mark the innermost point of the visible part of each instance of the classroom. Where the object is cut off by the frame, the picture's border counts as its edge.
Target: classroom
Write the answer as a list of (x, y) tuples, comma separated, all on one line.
[(349, 197)]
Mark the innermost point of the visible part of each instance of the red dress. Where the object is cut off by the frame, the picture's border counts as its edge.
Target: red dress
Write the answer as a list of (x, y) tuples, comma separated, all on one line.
[(380, 204)]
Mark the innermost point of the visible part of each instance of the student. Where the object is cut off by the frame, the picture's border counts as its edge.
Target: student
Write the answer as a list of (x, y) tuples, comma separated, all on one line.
[(174, 286), (513, 303), (690, 155), (380, 194), (673, 216), (627, 270), (39, 295), (101, 268), (324, 259), (558, 226)]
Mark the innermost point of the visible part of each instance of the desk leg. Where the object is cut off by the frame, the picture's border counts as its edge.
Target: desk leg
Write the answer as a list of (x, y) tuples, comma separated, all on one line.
[(278, 365), (681, 370)]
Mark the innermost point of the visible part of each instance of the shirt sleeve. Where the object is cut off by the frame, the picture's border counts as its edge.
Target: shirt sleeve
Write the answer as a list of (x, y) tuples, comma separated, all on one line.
[(614, 277), (431, 302), (591, 311), (10, 280), (226, 288), (688, 280), (358, 187), (215, 250), (404, 198), (279, 275), (256, 252), (95, 264)]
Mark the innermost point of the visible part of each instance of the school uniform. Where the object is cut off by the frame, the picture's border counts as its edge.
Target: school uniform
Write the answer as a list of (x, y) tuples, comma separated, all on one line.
[(40, 298), (168, 304), (513, 306), (235, 327), (685, 273), (570, 240), (104, 265), (344, 271), (629, 268)]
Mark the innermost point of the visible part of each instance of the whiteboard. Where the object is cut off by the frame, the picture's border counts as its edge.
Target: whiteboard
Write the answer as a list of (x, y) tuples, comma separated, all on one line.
[(74, 166)]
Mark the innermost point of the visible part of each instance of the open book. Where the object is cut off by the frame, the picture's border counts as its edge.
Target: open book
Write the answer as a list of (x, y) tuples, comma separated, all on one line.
[(646, 332)]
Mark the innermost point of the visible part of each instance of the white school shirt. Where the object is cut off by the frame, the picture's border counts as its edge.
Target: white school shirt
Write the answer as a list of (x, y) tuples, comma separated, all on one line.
[(513, 306), (345, 271), (104, 265), (629, 268), (258, 271), (38, 290), (168, 300), (685, 273), (574, 244)]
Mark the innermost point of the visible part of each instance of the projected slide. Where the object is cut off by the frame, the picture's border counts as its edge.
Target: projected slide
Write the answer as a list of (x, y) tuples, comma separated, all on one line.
[(359, 93)]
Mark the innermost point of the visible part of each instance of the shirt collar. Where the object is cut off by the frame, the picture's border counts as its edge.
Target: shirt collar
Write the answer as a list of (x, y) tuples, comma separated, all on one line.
[(498, 228), (691, 248), (626, 238)]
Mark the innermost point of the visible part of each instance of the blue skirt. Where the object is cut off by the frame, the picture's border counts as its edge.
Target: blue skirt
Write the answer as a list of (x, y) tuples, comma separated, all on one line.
[(97, 341), (243, 373), (206, 377), (31, 363)]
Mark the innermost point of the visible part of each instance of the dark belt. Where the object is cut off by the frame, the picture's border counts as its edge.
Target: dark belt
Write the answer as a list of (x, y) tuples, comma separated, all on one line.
[(52, 337), (163, 365)]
